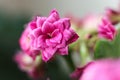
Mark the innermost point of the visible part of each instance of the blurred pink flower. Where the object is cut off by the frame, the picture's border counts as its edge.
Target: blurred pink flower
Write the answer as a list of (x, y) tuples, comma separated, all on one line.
[(90, 22), (113, 15), (102, 70), (51, 35), (24, 42), (106, 30), (27, 64), (24, 61), (107, 69)]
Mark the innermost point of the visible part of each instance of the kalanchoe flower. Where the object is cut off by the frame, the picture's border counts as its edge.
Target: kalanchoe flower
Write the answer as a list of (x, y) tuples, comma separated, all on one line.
[(51, 35), (34, 68), (106, 30), (107, 69), (24, 42)]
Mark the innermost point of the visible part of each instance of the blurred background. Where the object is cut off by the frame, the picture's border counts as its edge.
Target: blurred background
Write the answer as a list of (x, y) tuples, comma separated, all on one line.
[(14, 14)]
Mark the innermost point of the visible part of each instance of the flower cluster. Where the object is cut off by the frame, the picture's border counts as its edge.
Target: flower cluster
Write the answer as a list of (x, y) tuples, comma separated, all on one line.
[(44, 37)]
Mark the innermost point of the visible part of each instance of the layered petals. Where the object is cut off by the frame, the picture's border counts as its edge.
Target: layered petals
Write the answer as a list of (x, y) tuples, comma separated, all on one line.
[(106, 30), (48, 53), (51, 35), (25, 42)]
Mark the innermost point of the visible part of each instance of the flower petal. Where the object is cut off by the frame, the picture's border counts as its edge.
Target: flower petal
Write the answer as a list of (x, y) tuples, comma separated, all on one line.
[(47, 27), (56, 36), (73, 38), (63, 51), (59, 25), (32, 25), (36, 32), (41, 42), (62, 44), (67, 34), (49, 43), (70, 36), (40, 21), (48, 53), (54, 16), (66, 23)]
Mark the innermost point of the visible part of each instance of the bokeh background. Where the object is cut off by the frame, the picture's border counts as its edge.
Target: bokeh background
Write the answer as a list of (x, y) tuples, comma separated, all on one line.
[(14, 14)]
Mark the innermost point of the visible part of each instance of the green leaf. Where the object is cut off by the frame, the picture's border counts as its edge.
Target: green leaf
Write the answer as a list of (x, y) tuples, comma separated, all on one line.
[(104, 48)]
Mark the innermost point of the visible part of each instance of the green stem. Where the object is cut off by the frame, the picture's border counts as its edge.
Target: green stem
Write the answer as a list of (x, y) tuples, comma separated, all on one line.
[(84, 54)]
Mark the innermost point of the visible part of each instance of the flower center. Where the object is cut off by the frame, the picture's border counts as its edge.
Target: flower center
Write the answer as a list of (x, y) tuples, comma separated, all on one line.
[(49, 35)]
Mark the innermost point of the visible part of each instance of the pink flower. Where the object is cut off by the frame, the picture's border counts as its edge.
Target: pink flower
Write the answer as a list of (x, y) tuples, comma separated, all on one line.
[(113, 15), (108, 69), (51, 35), (33, 68), (102, 70), (24, 42), (106, 30)]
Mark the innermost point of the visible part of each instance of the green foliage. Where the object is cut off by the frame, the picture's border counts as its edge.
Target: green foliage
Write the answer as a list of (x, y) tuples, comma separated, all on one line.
[(104, 48)]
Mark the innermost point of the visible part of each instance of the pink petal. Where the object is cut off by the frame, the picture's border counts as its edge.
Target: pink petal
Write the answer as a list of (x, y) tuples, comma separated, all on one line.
[(112, 29), (62, 24), (49, 43), (34, 44), (70, 36), (32, 25), (105, 69), (48, 53), (59, 25), (40, 21), (66, 22), (67, 34), (73, 38), (56, 36), (62, 44), (63, 51), (47, 27), (37, 32), (54, 16), (105, 21), (41, 42)]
